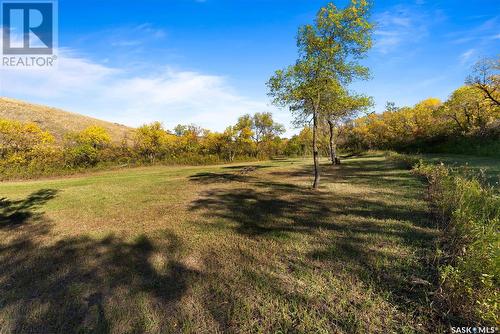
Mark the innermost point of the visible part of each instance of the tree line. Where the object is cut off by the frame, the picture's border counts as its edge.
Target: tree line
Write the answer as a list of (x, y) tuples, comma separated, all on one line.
[(316, 89), (470, 115), (26, 149)]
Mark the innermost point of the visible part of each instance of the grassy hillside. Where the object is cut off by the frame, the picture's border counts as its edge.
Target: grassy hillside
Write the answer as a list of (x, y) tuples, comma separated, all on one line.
[(235, 248), (57, 121)]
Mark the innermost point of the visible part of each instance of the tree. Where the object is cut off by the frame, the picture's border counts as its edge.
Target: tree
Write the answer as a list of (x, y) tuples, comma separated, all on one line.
[(84, 148), (25, 143), (149, 140), (17, 137), (257, 132), (468, 109), (180, 129), (486, 78), (338, 106), (391, 106), (329, 52), (94, 136), (265, 128)]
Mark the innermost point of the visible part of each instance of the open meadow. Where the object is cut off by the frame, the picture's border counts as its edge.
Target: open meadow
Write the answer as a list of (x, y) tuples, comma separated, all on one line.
[(244, 167), (238, 248)]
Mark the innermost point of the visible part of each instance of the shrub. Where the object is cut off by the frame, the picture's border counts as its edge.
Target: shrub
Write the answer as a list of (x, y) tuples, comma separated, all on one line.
[(469, 265), (84, 148), (81, 156)]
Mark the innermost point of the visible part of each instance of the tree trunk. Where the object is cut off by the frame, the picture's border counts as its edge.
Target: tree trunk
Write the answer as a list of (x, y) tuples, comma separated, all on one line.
[(315, 150), (333, 147)]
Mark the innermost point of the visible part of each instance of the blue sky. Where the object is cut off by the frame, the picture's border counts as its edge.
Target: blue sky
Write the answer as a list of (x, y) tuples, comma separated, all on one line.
[(206, 62)]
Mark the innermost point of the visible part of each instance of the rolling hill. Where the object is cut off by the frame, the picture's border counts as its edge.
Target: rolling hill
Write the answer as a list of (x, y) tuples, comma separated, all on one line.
[(57, 121)]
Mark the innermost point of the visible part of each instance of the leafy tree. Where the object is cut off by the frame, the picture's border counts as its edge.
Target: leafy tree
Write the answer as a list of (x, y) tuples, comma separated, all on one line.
[(244, 129), (150, 139), (469, 110), (258, 132), (231, 142), (391, 106), (83, 148), (94, 136), (188, 139), (486, 78), (191, 129), (265, 128), (338, 106), (26, 144), (17, 137), (329, 52)]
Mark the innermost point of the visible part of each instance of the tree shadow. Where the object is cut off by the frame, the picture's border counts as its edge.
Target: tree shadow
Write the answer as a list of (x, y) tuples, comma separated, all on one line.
[(246, 167), (360, 230), (208, 177), (76, 284), (18, 212), (112, 284)]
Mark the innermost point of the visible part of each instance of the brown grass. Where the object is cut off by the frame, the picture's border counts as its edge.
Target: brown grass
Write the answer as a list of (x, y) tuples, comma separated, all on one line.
[(56, 121)]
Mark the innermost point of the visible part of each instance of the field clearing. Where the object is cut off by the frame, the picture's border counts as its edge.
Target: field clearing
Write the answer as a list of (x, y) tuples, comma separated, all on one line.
[(235, 248)]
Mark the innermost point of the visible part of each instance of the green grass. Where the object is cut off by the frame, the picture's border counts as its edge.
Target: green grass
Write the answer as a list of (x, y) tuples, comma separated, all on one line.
[(468, 259), (236, 248), (487, 168)]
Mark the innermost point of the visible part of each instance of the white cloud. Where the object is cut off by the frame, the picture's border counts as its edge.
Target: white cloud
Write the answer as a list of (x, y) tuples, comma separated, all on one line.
[(467, 56), (482, 33), (117, 94), (402, 25)]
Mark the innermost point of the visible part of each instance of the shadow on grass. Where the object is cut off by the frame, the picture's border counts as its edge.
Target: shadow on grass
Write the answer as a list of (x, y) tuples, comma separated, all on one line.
[(218, 177), (63, 288), (246, 167), (361, 230), (72, 285), (85, 285), (18, 212)]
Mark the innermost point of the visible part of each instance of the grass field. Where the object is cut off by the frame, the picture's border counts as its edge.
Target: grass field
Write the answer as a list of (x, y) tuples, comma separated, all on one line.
[(237, 248), (485, 167)]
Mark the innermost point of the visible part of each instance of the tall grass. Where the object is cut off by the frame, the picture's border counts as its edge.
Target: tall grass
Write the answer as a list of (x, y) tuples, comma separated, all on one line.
[(469, 253)]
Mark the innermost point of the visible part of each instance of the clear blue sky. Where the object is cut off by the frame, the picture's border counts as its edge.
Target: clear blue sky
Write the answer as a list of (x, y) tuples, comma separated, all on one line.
[(206, 62)]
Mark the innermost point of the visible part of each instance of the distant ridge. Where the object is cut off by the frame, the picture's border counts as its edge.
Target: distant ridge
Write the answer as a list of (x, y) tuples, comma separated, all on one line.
[(57, 121)]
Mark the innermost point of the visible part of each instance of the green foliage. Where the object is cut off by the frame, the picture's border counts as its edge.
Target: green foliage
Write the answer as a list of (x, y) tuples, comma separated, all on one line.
[(82, 156), (329, 53), (484, 147), (470, 258)]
